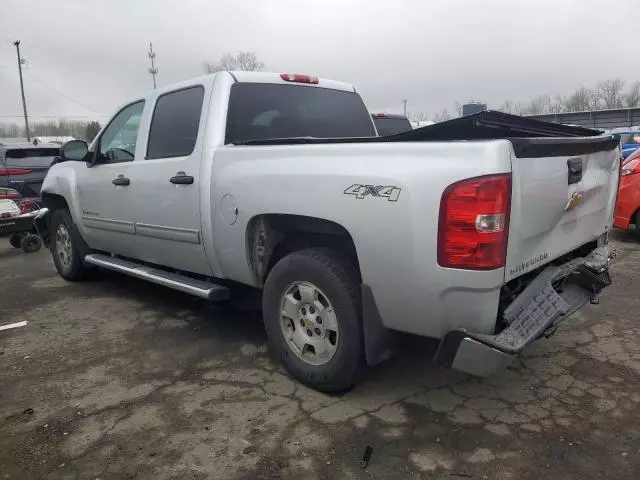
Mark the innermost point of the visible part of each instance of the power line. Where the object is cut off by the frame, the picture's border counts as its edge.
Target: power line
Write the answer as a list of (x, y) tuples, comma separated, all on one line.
[(53, 89)]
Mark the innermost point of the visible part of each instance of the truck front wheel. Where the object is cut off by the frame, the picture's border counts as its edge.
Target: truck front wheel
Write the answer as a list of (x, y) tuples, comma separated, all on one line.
[(64, 247), (311, 310)]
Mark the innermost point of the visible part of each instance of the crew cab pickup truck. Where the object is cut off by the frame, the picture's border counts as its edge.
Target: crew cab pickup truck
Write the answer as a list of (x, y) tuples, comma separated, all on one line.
[(483, 232)]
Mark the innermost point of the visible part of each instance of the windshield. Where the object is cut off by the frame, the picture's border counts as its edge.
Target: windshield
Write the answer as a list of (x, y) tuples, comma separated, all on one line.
[(262, 111), (391, 125)]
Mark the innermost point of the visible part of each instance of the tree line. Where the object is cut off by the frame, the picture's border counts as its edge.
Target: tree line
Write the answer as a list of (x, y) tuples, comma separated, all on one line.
[(607, 94), (80, 129)]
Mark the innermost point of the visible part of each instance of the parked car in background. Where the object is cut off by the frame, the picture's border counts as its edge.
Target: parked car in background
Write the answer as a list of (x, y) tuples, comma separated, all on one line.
[(629, 141), (23, 167), (628, 203), (390, 124), (278, 182)]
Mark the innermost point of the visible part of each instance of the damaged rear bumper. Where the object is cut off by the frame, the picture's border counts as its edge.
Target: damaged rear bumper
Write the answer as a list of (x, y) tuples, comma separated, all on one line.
[(555, 294)]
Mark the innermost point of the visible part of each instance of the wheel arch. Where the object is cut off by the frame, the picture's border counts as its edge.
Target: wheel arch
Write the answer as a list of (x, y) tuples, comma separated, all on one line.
[(269, 237)]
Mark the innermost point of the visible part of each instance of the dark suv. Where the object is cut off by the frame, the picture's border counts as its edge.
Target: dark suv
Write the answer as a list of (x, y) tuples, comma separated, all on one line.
[(23, 167)]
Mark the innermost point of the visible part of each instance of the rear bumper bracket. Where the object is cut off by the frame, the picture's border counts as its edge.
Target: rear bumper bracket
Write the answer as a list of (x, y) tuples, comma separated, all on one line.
[(555, 294)]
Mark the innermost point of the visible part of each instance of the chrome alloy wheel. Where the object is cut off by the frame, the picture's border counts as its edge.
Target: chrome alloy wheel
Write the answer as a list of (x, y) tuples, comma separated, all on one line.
[(64, 248), (308, 323)]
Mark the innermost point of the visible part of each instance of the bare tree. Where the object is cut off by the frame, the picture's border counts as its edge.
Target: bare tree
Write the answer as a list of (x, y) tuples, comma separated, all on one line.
[(611, 92), (442, 116), (247, 61), (556, 105), (632, 95), (507, 107), (417, 116), (458, 107), (539, 105), (579, 101)]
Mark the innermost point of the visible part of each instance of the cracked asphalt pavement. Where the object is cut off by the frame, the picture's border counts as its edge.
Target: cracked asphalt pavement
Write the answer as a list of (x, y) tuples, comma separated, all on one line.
[(115, 378)]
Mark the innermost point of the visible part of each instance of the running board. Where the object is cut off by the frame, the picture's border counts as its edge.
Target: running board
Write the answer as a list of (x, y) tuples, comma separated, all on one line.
[(185, 284)]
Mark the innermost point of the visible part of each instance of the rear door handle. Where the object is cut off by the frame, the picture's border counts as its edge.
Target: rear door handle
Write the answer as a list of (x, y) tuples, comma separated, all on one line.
[(182, 178), (121, 180)]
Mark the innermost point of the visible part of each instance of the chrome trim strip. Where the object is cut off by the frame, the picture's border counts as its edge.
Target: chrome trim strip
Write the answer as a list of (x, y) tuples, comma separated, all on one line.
[(186, 235), (119, 226), (480, 360)]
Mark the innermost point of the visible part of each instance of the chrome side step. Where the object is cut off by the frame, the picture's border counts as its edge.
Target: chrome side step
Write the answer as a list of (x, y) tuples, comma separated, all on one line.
[(199, 288)]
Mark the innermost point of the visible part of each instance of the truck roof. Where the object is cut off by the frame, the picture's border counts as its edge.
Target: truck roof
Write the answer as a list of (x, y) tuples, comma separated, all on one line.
[(269, 77)]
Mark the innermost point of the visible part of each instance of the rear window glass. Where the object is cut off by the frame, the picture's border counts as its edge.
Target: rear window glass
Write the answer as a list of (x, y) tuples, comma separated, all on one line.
[(175, 122), (32, 152), (391, 126), (262, 111)]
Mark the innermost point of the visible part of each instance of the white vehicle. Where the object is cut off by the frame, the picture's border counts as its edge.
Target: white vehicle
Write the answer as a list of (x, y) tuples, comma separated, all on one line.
[(278, 182)]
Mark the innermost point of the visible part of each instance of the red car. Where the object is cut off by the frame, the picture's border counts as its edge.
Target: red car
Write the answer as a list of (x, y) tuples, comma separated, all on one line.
[(628, 204)]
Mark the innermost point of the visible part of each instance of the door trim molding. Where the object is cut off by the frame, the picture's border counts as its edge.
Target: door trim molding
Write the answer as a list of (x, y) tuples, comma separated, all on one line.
[(186, 235), (119, 226)]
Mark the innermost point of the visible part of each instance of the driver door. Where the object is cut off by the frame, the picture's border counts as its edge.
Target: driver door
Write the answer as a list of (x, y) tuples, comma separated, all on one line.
[(104, 196)]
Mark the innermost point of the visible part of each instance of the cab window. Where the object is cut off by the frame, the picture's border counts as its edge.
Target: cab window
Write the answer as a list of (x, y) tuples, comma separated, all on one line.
[(118, 142)]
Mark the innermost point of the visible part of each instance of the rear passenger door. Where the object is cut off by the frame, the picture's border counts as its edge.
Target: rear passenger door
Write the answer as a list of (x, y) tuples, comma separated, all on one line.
[(165, 184)]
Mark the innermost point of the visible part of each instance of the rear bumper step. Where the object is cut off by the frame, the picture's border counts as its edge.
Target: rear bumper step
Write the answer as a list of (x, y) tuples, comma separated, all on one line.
[(554, 295), (199, 288)]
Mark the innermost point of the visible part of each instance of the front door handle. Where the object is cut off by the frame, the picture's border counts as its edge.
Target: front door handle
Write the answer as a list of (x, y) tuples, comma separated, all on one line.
[(121, 180), (182, 178)]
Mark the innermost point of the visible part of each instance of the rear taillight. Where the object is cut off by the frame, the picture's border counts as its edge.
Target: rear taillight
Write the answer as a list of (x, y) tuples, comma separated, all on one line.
[(5, 172), (9, 194), (631, 167), (379, 115), (298, 78), (474, 223)]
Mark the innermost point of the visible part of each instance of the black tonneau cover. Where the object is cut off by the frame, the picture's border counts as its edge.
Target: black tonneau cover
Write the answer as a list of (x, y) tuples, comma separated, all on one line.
[(530, 138)]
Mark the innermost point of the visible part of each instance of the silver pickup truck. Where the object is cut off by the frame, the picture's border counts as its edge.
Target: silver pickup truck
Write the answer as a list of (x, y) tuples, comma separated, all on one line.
[(483, 232)]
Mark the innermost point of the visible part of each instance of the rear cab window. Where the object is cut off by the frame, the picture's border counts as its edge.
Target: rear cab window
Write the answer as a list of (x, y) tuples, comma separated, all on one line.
[(262, 111), (175, 123)]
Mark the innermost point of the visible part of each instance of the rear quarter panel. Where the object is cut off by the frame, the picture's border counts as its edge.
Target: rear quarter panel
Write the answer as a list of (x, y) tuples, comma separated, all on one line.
[(396, 241)]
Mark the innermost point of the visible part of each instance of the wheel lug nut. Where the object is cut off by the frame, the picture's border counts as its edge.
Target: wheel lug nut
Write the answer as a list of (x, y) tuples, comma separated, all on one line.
[(302, 323), (312, 310), (319, 320), (309, 332), (318, 331), (304, 311)]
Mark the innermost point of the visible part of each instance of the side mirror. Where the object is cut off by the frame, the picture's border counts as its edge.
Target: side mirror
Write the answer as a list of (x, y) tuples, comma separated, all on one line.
[(75, 150)]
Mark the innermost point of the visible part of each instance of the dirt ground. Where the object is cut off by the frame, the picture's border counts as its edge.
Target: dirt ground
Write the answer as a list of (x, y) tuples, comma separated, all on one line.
[(118, 379)]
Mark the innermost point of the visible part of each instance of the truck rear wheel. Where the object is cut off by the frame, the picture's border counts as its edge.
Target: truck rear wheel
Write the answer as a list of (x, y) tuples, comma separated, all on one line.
[(64, 247), (311, 310)]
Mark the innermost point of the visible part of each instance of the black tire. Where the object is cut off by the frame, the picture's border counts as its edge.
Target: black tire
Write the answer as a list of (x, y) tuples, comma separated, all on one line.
[(31, 243), (339, 282), (75, 270), (15, 239)]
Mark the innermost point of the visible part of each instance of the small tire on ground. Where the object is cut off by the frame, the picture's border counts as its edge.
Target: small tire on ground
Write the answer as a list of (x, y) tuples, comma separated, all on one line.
[(76, 270), (15, 239), (338, 280), (31, 243)]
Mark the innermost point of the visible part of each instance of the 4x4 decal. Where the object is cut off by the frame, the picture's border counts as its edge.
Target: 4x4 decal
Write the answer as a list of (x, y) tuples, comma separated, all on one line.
[(389, 192)]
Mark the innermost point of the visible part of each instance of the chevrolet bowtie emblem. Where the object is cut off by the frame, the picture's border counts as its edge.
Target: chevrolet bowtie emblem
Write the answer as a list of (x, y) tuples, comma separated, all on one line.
[(574, 201)]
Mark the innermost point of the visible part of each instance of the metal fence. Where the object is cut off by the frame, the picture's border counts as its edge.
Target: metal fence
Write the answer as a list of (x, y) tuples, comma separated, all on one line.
[(600, 119)]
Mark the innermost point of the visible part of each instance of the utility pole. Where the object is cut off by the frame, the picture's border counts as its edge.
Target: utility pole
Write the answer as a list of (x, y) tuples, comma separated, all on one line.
[(404, 103), (153, 70), (24, 102)]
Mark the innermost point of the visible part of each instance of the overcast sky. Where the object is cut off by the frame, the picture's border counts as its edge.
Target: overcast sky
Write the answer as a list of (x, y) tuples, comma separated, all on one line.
[(431, 52)]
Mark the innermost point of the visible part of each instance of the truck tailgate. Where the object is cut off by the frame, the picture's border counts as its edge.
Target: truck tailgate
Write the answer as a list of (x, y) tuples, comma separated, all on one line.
[(563, 196)]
